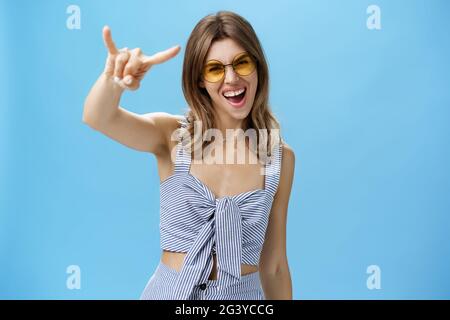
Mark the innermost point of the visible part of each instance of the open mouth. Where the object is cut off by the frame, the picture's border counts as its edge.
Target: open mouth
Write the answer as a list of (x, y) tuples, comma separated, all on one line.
[(237, 100)]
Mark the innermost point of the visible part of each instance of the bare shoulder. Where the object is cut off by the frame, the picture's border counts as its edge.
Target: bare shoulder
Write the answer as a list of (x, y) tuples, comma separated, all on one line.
[(287, 172), (167, 124), (288, 159)]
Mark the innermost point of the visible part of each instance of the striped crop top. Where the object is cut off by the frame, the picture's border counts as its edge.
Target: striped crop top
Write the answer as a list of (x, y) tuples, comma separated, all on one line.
[(194, 221)]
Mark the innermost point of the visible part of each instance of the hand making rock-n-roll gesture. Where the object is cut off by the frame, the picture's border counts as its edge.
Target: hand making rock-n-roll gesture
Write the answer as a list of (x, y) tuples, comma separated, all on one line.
[(124, 69), (128, 67)]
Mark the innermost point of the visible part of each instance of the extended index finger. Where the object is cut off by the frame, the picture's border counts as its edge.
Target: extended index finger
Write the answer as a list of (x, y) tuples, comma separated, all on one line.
[(109, 43), (161, 56)]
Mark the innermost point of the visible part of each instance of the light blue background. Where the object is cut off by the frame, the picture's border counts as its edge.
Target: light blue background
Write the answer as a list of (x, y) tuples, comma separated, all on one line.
[(366, 112)]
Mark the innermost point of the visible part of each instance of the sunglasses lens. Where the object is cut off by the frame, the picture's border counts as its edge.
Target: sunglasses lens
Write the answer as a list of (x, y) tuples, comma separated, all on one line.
[(213, 72), (244, 65)]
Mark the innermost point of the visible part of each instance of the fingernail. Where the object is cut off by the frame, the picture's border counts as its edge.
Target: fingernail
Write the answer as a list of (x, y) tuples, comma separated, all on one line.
[(116, 79), (127, 80)]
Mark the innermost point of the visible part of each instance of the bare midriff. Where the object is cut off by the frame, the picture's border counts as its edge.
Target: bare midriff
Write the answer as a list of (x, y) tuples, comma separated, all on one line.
[(175, 261)]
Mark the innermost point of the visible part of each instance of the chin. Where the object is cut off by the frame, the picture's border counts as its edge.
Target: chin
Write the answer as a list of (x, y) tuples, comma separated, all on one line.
[(240, 116)]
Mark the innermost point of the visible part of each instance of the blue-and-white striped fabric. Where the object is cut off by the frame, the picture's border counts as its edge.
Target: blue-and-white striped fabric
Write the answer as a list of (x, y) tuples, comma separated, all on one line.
[(194, 221)]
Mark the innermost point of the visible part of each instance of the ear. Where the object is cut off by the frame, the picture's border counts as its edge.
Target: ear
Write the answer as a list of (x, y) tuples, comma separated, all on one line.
[(201, 84)]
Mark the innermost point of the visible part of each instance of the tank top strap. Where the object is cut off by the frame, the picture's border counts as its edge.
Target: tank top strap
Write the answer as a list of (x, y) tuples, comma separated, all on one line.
[(273, 170), (183, 158)]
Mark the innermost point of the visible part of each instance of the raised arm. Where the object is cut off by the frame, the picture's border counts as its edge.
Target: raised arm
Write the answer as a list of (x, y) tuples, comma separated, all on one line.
[(124, 69)]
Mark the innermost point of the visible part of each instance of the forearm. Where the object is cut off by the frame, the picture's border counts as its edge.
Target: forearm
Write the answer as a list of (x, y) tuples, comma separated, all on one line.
[(102, 101), (277, 286)]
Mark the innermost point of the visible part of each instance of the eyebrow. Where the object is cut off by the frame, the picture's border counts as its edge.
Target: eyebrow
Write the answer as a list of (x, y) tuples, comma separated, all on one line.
[(211, 61)]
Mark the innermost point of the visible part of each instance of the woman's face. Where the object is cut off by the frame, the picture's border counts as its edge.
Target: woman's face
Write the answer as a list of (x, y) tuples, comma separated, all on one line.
[(225, 51)]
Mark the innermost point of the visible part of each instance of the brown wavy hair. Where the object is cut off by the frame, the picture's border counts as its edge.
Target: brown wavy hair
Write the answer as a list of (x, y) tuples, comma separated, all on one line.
[(213, 27)]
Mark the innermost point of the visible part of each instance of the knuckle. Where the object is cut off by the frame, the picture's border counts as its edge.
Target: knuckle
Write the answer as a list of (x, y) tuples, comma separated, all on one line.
[(120, 64), (132, 67), (121, 58), (137, 65)]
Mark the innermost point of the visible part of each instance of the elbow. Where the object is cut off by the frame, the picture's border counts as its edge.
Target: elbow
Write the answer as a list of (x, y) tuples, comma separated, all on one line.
[(270, 272), (275, 268), (96, 119), (87, 119), (85, 115)]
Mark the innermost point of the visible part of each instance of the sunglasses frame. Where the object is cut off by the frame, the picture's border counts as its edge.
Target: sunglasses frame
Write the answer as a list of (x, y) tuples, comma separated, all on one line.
[(236, 57)]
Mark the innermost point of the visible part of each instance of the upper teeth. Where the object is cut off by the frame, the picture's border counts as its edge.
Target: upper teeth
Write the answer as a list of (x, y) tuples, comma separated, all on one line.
[(233, 93)]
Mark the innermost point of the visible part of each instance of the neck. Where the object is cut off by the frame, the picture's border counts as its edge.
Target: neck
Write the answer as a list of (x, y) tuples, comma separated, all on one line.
[(224, 122)]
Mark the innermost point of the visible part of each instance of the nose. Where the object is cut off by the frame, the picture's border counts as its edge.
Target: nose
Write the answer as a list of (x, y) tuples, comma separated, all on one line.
[(230, 75)]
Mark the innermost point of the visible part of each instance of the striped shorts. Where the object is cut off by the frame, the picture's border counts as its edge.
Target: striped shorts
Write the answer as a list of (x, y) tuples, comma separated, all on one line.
[(161, 283)]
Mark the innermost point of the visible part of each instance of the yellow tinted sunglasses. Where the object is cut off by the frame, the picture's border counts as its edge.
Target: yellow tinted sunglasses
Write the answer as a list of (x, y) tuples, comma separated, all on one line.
[(242, 64)]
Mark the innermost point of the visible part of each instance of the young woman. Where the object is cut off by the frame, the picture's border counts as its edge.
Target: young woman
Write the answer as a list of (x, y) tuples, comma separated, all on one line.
[(223, 226)]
